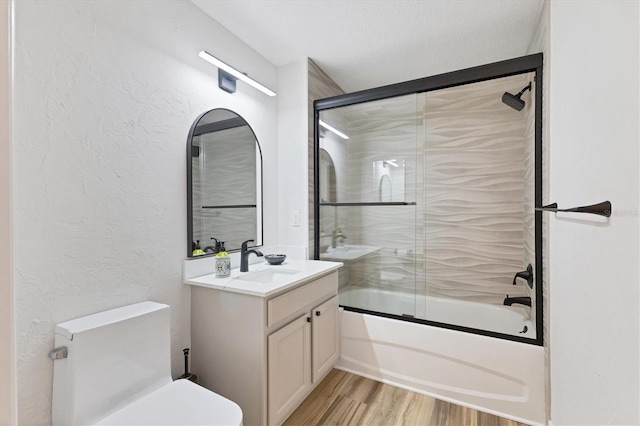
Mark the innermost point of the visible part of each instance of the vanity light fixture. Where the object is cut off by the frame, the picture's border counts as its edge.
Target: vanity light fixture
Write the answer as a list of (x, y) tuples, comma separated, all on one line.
[(227, 75), (332, 129)]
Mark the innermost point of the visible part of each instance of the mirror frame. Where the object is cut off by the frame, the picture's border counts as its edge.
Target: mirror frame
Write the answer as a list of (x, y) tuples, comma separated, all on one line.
[(259, 191)]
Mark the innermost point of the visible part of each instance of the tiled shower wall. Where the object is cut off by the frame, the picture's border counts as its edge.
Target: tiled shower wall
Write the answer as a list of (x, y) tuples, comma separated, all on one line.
[(320, 86), (476, 172), (471, 177)]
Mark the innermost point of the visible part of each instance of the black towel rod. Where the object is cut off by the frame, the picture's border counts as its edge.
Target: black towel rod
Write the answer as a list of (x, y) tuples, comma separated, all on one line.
[(601, 209)]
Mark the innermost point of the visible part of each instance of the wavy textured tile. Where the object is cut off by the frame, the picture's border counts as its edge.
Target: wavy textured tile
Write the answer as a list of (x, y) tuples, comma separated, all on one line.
[(469, 168), (475, 170)]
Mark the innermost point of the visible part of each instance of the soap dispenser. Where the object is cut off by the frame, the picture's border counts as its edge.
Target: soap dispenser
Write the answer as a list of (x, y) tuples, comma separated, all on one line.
[(223, 262), (198, 251)]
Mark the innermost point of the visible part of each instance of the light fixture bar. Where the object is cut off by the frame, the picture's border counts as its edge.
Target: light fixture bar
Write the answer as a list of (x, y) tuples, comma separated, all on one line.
[(332, 129), (234, 72)]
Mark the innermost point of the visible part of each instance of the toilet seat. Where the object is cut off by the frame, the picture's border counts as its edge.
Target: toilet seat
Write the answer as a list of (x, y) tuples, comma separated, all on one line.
[(179, 403)]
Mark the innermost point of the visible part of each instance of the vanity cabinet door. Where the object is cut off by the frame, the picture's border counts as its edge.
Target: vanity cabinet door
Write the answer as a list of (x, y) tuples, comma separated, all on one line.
[(289, 370), (326, 337)]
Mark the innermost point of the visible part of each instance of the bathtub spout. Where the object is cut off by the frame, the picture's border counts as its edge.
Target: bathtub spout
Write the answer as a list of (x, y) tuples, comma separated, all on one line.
[(508, 301)]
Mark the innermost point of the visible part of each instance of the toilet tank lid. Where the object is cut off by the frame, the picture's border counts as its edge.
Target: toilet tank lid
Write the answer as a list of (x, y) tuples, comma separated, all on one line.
[(101, 319)]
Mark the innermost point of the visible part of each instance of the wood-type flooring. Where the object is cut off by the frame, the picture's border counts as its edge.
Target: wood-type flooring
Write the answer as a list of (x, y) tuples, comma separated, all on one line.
[(346, 399)]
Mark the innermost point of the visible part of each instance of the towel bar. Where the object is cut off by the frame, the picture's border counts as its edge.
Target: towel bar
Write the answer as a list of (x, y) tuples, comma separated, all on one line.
[(601, 209)]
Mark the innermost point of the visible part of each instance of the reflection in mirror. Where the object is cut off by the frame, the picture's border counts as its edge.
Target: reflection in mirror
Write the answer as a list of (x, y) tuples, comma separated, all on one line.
[(385, 189), (328, 194), (389, 176), (328, 176), (224, 184)]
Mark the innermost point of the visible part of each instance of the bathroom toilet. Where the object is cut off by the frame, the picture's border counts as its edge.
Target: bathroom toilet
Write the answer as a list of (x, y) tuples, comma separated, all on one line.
[(114, 368)]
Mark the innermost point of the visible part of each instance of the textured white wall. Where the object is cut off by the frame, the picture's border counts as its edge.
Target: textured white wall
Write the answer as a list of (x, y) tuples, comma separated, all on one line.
[(7, 361), (292, 154), (594, 138), (105, 95)]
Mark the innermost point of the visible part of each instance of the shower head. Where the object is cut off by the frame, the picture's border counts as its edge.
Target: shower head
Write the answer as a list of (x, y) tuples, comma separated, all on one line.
[(514, 101)]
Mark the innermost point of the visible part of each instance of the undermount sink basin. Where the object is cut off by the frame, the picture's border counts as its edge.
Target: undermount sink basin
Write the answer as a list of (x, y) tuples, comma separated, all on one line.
[(348, 252), (267, 275)]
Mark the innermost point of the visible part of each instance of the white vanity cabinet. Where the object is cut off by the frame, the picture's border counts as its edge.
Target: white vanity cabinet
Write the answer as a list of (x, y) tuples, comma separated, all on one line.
[(289, 369), (300, 354), (325, 344), (266, 353)]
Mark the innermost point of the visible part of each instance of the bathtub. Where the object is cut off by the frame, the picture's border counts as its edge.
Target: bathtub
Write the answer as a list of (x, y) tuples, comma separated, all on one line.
[(493, 375), (513, 320)]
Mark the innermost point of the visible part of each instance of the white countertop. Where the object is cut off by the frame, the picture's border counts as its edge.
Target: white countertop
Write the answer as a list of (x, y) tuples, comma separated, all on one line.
[(266, 280)]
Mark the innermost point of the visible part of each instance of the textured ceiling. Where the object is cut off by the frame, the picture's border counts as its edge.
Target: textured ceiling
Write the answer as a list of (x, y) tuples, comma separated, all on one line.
[(365, 44)]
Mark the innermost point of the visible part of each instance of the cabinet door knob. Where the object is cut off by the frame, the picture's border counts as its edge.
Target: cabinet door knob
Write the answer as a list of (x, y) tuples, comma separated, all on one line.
[(308, 319), (318, 313)]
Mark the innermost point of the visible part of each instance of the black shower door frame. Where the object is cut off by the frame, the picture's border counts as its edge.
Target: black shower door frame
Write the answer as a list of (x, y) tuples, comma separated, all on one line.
[(521, 65)]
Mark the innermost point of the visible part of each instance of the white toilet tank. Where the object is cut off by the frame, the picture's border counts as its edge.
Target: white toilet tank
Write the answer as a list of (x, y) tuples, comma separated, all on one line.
[(117, 372), (113, 358)]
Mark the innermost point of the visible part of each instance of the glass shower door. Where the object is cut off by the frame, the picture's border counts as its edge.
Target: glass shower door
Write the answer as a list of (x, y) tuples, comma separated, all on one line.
[(428, 195), (369, 166)]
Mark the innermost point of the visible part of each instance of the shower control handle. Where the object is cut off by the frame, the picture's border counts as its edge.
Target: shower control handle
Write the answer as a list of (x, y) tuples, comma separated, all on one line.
[(526, 275)]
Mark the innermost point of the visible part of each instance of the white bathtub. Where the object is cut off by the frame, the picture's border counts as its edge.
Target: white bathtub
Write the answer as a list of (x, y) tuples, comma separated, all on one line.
[(494, 375), (497, 318)]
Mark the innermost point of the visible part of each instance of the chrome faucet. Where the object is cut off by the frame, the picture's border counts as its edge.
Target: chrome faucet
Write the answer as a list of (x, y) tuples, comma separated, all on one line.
[(335, 235), (244, 256)]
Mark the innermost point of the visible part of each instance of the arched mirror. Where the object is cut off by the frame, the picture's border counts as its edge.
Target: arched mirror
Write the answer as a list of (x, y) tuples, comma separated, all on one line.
[(328, 188), (224, 184), (385, 189)]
